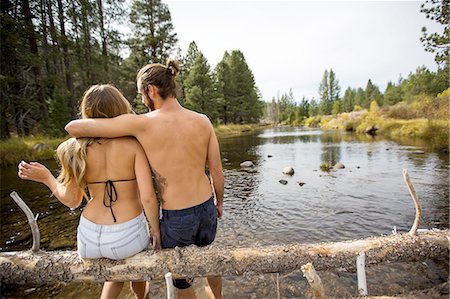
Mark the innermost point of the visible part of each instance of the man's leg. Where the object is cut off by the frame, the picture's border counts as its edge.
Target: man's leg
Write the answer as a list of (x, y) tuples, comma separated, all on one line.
[(111, 289), (215, 283)]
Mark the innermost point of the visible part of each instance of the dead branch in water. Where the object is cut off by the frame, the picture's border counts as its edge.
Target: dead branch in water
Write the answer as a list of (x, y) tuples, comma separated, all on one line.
[(417, 203), (32, 220), (65, 266)]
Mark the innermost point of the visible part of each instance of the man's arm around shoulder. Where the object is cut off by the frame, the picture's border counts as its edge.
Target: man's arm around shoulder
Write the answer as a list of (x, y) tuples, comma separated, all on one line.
[(122, 125)]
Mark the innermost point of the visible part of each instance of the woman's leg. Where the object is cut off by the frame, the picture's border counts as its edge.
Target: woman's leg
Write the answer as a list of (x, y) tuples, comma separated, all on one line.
[(138, 288), (111, 289)]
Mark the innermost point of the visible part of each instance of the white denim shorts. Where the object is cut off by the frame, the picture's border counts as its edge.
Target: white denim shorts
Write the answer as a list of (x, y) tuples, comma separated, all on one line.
[(115, 241)]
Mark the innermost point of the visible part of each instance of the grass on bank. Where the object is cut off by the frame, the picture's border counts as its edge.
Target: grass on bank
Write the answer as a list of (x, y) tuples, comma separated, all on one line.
[(223, 131), (15, 149)]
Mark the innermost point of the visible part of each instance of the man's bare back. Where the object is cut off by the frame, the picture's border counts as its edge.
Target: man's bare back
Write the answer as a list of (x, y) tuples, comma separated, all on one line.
[(176, 144)]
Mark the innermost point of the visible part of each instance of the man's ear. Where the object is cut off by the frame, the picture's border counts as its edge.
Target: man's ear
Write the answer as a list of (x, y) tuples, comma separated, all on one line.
[(152, 91)]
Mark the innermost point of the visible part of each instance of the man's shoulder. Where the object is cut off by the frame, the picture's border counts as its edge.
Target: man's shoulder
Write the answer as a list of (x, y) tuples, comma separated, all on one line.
[(199, 116)]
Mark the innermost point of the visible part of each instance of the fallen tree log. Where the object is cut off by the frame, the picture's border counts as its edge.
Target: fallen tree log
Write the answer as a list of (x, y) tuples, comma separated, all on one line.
[(29, 267)]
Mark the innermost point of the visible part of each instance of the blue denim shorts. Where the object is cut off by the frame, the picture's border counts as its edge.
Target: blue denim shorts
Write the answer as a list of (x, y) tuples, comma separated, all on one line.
[(115, 241), (195, 225)]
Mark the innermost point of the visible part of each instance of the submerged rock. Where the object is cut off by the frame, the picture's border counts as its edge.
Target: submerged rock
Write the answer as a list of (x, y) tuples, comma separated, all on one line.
[(371, 130), (301, 184), (40, 147), (288, 170), (283, 182), (269, 156), (339, 165), (418, 152), (247, 164)]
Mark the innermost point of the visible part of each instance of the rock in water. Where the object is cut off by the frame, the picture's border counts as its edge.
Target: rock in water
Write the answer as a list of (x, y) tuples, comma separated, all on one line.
[(301, 184), (288, 170), (40, 146), (339, 165), (284, 182), (247, 164)]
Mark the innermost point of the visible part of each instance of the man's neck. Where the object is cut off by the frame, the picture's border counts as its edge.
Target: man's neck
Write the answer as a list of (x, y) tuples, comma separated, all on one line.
[(170, 103)]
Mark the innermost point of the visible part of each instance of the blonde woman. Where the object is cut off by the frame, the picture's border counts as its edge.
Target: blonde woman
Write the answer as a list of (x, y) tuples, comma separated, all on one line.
[(117, 175)]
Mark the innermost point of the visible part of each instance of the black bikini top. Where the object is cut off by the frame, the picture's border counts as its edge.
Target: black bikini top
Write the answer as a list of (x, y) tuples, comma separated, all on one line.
[(110, 191)]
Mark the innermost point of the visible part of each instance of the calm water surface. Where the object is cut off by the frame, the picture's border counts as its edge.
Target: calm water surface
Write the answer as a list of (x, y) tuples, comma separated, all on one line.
[(366, 198)]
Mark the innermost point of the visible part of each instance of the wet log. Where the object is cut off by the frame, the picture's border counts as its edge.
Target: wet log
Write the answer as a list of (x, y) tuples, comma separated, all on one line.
[(65, 266)]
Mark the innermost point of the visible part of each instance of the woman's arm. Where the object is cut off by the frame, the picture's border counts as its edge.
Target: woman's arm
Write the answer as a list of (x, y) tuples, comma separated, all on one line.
[(147, 194), (122, 125), (70, 195)]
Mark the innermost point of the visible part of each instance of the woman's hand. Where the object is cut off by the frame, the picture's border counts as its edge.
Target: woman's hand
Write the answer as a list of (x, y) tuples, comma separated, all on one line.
[(34, 171)]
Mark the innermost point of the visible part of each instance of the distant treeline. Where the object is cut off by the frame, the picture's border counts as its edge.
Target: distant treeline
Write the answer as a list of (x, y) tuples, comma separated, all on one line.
[(53, 50), (420, 88)]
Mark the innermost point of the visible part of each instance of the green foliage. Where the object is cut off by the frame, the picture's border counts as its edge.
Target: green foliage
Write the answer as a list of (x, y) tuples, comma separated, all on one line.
[(372, 93), (59, 114), (400, 110), (328, 91), (199, 88), (153, 37), (238, 95), (393, 94), (349, 100), (14, 150), (374, 109), (439, 11), (325, 166), (336, 107)]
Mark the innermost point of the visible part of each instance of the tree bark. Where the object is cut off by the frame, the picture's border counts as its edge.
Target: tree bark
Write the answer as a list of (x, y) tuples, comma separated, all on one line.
[(65, 266), (69, 81)]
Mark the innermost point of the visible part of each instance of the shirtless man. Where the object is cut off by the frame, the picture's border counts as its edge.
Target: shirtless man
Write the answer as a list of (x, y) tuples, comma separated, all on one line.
[(178, 143)]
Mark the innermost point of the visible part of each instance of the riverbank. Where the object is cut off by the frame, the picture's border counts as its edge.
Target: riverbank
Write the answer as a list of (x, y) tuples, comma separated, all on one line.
[(40, 148), (436, 131)]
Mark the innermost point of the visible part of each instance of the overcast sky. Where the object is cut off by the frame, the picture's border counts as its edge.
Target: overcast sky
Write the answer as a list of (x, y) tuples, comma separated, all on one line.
[(289, 44)]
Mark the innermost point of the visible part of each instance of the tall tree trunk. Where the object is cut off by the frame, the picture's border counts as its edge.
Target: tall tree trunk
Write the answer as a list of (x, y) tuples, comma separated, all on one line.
[(103, 36), (69, 80), (44, 36), (32, 41), (86, 30), (54, 36)]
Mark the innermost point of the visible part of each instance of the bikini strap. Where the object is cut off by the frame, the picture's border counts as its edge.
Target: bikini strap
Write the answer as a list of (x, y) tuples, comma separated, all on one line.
[(110, 193), (104, 182)]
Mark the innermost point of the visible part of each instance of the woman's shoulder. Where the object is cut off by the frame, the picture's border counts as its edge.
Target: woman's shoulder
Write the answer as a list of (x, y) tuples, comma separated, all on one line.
[(125, 141)]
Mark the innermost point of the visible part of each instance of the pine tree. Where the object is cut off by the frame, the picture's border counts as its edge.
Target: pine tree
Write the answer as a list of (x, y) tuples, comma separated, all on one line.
[(199, 88), (237, 89), (348, 102), (328, 91), (153, 37), (392, 94), (372, 93), (439, 11)]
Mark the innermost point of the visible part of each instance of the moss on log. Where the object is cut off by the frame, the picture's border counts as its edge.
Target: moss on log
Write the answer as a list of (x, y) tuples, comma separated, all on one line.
[(64, 266)]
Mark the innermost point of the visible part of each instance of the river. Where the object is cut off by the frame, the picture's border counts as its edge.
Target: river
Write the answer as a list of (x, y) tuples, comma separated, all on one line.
[(366, 198)]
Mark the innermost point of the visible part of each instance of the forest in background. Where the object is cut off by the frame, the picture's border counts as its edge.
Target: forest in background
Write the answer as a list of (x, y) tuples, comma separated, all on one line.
[(53, 50)]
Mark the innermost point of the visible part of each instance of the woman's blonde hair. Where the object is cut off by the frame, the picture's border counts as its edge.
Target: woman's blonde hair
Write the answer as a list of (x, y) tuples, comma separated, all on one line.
[(99, 101)]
